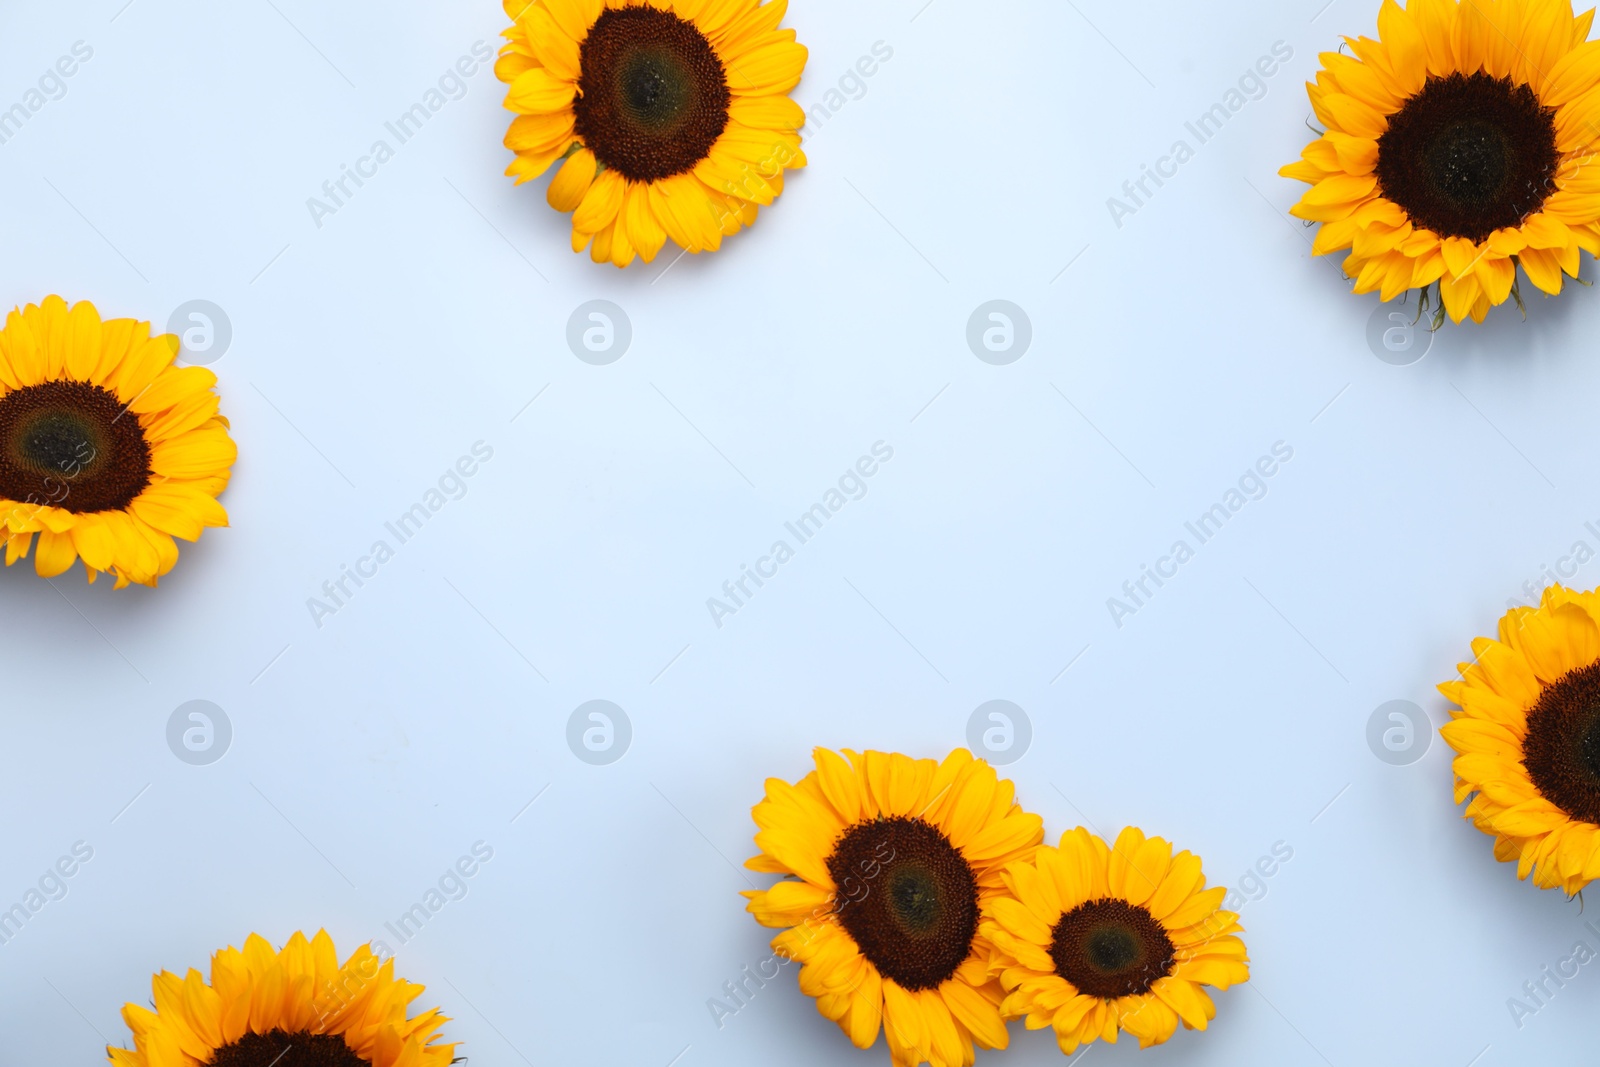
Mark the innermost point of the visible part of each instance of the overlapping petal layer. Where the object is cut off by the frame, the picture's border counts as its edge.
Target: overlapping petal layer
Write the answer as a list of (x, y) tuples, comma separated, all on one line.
[(302, 989), (618, 218), (799, 826), (1082, 871), (1489, 731), (1540, 44), (175, 409)]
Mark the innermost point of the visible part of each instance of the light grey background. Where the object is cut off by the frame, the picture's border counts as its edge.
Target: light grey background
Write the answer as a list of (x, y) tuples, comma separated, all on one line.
[(1168, 354)]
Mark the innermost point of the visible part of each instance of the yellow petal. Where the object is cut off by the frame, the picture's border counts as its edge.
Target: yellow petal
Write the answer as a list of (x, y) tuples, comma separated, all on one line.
[(575, 17), (538, 91), (555, 48), (94, 542), (1542, 268), (55, 554), (83, 341), (171, 387), (600, 206), (773, 67), (774, 112), (530, 165), (572, 181), (540, 133)]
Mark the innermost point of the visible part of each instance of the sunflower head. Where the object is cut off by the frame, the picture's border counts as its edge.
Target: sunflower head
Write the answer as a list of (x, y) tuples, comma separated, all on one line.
[(1460, 145), (890, 862), (1094, 940), (669, 118), (1527, 739), (298, 1005), (107, 450)]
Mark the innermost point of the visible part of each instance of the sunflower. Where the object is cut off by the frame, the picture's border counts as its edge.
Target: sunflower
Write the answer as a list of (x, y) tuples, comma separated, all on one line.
[(107, 451), (1459, 145), (262, 1004), (671, 116), (1092, 940), (892, 861), (1527, 738)]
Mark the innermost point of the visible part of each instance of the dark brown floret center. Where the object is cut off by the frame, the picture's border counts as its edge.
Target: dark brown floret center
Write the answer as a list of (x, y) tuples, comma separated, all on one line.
[(71, 445), (907, 897), (652, 96), (284, 1049), (1562, 748), (1469, 154), (1110, 948)]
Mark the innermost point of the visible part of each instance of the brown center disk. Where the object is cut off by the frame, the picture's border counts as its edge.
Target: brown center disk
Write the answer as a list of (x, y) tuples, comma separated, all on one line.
[(1110, 948), (1562, 747), (287, 1050), (907, 898), (653, 97), (71, 445), (1468, 155)]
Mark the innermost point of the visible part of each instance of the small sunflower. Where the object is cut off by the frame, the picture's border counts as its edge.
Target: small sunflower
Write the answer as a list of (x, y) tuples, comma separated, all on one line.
[(892, 860), (1527, 738), (672, 117), (1092, 940), (107, 451), (1459, 145), (297, 1006)]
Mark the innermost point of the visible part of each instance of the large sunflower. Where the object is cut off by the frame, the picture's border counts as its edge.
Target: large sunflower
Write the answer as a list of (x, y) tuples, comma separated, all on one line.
[(1459, 145), (892, 861), (261, 1005), (671, 116), (107, 451), (1094, 940), (1527, 737)]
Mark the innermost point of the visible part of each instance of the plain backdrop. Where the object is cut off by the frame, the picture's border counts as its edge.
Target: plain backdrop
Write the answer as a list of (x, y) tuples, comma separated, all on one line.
[(429, 713)]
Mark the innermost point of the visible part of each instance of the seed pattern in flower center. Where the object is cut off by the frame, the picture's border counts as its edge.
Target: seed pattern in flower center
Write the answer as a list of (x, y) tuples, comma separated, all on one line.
[(1562, 748), (1469, 154), (71, 445), (652, 97), (907, 897), (1110, 948), (287, 1050)]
